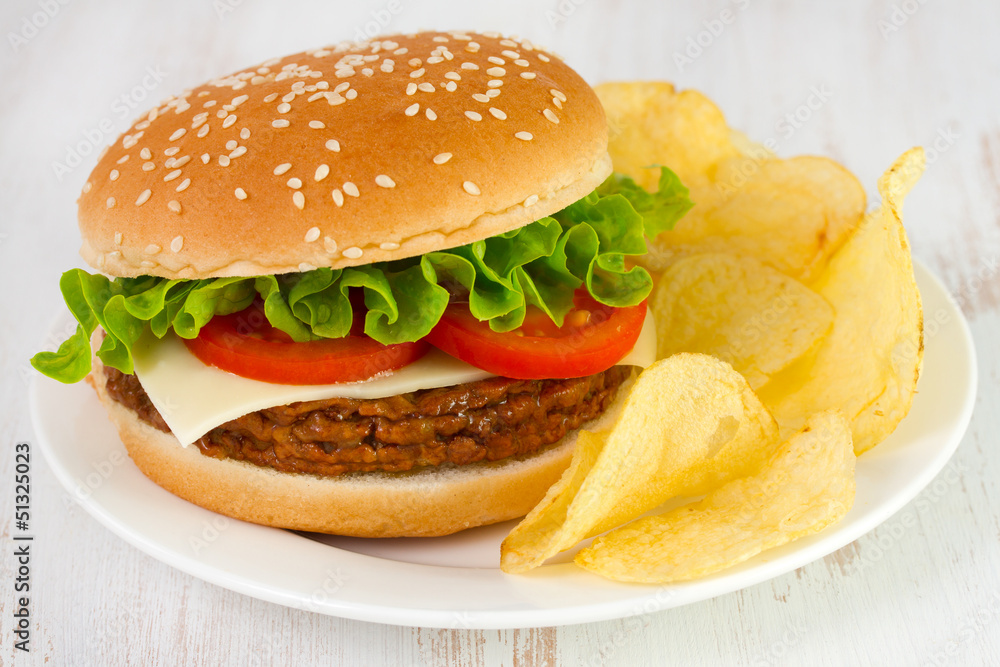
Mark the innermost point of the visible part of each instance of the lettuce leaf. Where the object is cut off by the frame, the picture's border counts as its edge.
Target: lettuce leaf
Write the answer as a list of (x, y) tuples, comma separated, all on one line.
[(540, 264)]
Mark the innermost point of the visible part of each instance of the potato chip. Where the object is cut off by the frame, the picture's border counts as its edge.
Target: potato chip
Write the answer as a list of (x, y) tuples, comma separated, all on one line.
[(807, 485), (688, 424), (869, 364), (651, 123), (790, 214), (739, 310)]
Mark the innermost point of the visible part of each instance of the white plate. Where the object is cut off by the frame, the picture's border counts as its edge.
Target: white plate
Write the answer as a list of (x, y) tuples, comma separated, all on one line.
[(454, 581)]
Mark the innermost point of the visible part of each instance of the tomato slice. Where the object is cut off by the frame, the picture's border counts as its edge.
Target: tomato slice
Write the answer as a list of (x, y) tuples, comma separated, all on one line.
[(593, 338), (246, 344)]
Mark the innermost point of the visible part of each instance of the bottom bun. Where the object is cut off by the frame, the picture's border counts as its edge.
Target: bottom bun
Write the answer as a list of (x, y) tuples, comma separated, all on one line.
[(422, 503)]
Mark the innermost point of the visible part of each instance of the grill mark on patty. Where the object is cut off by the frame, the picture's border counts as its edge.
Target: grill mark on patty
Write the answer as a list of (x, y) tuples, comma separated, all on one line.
[(488, 420)]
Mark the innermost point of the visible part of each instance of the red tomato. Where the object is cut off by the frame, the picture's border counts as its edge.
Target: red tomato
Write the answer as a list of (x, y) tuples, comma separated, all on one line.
[(246, 344), (593, 338)]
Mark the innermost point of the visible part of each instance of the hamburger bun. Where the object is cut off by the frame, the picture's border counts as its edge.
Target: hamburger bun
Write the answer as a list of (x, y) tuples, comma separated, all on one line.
[(425, 503), (344, 156)]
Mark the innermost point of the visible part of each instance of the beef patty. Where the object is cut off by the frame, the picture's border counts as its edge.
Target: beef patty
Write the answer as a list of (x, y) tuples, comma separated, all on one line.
[(488, 420)]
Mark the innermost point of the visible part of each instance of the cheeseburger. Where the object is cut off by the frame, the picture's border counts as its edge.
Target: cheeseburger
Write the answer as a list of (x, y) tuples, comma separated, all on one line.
[(371, 289)]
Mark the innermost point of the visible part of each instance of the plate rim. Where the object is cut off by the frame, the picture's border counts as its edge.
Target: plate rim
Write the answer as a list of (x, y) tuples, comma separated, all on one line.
[(742, 576)]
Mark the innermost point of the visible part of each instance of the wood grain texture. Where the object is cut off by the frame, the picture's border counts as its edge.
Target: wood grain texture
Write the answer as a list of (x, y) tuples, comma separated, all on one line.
[(924, 588)]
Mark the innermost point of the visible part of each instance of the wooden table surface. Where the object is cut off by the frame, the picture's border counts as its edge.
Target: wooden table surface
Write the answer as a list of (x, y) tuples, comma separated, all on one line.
[(882, 76)]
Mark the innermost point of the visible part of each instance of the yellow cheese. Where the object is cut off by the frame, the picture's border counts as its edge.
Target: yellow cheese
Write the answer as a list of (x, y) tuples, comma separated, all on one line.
[(194, 398)]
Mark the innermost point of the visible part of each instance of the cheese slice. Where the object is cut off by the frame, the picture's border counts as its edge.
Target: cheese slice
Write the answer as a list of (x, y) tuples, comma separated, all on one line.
[(193, 398)]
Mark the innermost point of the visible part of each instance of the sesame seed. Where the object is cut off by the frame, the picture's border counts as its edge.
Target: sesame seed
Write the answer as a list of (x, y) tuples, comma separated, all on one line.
[(240, 100), (174, 205), (454, 76), (494, 83), (434, 60), (470, 66), (417, 73), (224, 160), (329, 244), (479, 97), (240, 150), (230, 119), (145, 154), (110, 203), (498, 114), (440, 38), (184, 185), (212, 103), (472, 47), (312, 234), (152, 249), (524, 136), (173, 150), (412, 109), (113, 175), (551, 116), (118, 237), (87, 186), (282, 168), (321, 172), (270, 98), (389, 245), (351, 189), (294, 183), (401, 52), (172, 175), (351, 94), (368, 71), (521, 62), (299, 200), (353, 253), (203, 130), (177, 243), (496, 61), (317, 124), (430, 114), (470, 187), (333, 145), (277, 123), (123, 159), (142, 198), (177, 134), (306, 266), (205, 158), (284, 107), (231, 144), (527, 75), (384, 181), (496, 71), (426, 87), (338, 197), (557, 103), (441, 158), (531, 201), (245, 133), (240, 193), (414, 62), (492, 92), (451, 86), (558, 94), (411, 88), (472, 115), (507, 42), (544, 58)]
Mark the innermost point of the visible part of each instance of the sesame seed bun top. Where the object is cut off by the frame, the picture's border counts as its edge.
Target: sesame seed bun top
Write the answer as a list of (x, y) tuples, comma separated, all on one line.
[(346, 155)]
